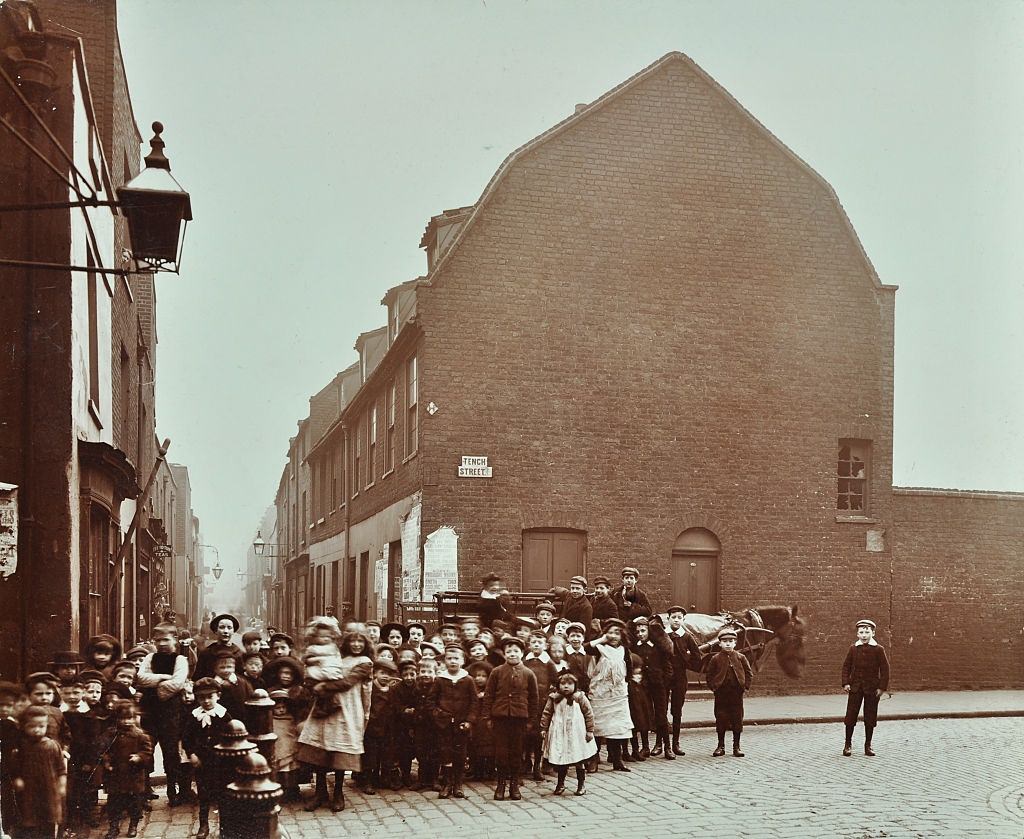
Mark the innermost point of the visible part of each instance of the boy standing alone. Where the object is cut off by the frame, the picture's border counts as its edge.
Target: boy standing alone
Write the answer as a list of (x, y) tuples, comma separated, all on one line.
[(865, 679)]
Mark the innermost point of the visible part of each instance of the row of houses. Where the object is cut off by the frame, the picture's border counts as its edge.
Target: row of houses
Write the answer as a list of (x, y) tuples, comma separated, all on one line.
[(654, 340), (83, 549)]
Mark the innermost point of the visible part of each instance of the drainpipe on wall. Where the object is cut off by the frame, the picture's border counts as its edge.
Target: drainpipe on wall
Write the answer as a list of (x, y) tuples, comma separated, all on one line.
[(348, 517)]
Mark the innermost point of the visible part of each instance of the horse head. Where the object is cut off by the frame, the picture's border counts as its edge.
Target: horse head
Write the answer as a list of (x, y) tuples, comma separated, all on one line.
[(789, 642), (790, 631)]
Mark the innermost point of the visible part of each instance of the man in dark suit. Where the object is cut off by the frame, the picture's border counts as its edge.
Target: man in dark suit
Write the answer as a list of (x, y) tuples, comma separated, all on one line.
[(865, 679)]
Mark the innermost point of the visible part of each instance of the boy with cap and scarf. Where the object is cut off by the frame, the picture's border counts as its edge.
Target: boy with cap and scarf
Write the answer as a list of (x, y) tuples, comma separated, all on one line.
[(729, 675), (629, 599), (865, 679)]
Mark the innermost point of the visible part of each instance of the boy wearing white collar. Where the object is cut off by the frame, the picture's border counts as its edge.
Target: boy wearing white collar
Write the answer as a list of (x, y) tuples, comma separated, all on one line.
[(865, 679), (454, 715), (205, 727)]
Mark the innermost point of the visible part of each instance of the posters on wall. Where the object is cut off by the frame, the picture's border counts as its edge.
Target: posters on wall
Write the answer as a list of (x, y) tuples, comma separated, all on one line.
[(440, 562), (411, 590), (8, 530)]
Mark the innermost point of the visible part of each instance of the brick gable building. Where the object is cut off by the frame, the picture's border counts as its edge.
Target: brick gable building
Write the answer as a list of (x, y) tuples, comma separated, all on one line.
[(661, 331)]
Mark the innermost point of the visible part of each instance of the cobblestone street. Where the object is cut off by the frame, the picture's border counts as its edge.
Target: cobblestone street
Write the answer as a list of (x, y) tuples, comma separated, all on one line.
[(931, 778)]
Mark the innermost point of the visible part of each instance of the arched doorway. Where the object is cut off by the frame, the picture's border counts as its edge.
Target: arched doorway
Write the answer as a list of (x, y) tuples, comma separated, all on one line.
[(695, 570)]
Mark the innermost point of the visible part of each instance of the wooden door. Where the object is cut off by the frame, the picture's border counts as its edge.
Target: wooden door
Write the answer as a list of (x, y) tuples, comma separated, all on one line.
[(695, 582), (552, 558)]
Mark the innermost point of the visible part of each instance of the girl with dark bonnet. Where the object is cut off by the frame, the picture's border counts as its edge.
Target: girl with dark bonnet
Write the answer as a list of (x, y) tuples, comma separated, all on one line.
[(283, 677), (335, 741)]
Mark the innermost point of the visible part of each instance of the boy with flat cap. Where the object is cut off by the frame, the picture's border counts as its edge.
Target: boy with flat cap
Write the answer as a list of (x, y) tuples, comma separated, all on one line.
[(510, 703), (865, 679), (685, 656), (577, 607), (631, 601), (729, 675)]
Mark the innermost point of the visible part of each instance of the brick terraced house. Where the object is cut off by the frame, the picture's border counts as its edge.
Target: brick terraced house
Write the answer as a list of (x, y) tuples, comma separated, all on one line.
[(656, 340)]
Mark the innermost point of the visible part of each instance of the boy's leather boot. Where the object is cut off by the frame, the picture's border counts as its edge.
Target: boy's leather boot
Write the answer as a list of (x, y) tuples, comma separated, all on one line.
[(457, 773), (867, 741), (676, 725), (114, 830), (658, 745), (513, 789), (204, 826), (736, 745), (446, 790), (499, 789), (669, 753), (133, 829)]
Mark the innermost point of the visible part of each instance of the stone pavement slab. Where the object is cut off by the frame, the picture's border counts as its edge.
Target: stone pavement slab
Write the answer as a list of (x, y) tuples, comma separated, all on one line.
[(920, 704), (932, 779)]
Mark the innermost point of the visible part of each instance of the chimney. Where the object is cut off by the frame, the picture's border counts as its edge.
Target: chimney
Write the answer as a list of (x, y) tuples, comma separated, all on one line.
[(580, 106)]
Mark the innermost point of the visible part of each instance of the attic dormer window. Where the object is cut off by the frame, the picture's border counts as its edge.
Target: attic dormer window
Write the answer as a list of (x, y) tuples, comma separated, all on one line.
[(394, 322)]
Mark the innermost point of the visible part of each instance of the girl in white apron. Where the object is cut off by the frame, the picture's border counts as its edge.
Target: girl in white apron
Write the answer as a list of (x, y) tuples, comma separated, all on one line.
[(568, 728), (609, 690)]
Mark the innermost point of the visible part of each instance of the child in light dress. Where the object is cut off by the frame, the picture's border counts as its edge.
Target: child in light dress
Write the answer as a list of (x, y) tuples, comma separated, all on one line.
[(567, 724)]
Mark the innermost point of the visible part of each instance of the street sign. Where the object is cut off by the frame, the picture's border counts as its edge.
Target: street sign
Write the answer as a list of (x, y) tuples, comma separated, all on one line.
[(474, 467)]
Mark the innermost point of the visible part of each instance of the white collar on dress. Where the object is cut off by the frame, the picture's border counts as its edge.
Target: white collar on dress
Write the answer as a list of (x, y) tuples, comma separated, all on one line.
[(871, 642), (543, 658)]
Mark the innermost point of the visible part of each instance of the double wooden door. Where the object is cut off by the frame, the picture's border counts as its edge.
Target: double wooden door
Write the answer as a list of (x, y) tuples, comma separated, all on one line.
[(552, 557)]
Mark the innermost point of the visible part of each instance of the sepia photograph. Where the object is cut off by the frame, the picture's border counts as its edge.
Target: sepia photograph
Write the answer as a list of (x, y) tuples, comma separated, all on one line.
[(531, 418)]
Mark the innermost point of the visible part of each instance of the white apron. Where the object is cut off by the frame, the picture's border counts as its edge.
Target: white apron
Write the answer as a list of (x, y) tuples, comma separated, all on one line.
[(566, 741), (609, 693)]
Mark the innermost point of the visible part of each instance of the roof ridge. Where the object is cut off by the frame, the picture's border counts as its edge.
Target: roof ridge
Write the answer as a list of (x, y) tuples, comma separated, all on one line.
[(582, 113)]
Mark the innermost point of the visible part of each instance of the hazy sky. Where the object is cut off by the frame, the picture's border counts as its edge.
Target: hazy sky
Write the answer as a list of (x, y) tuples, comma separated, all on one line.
[(317, 138)]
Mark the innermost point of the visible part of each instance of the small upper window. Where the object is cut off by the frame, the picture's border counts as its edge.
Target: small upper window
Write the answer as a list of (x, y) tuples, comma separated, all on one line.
[(852, 476)]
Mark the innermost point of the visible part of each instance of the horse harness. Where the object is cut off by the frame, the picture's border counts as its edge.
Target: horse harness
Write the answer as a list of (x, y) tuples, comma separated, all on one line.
[(754, 651)]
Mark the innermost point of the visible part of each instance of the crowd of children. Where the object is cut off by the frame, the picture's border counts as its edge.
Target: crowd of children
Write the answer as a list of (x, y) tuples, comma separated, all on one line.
[(499, 695)]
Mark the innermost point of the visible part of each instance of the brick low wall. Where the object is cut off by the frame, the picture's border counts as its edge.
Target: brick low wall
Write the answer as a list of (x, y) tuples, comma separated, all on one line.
[(958, 589)]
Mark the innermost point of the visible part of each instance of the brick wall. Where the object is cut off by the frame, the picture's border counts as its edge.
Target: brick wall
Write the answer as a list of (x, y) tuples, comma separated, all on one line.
[(958, 589), (660, 319)]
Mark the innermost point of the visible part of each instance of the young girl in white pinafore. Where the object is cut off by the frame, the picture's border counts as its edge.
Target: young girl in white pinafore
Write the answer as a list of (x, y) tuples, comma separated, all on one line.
[(609, 690), (568, 728)]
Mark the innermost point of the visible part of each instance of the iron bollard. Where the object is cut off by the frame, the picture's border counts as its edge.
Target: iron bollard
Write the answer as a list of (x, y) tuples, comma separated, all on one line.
[(231, 751), (250, 806), (259, 720)]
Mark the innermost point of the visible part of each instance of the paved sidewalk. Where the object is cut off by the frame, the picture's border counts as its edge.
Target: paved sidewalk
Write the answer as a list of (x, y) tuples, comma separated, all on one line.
[(919, 704)]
